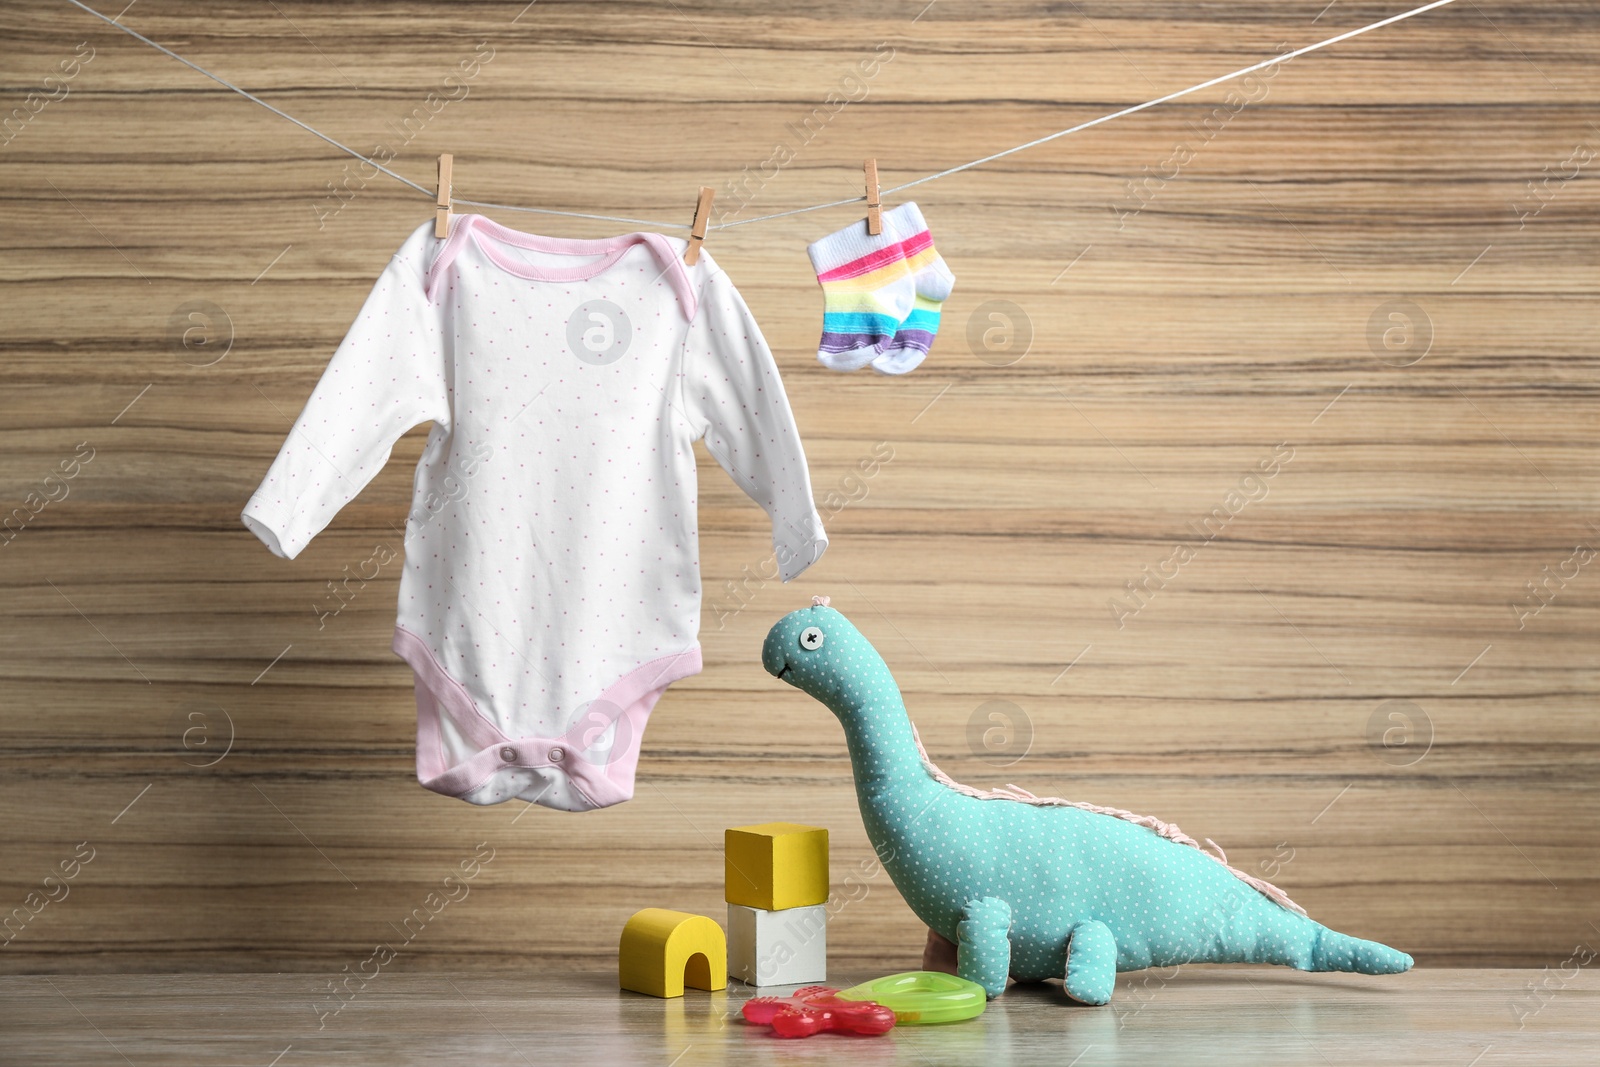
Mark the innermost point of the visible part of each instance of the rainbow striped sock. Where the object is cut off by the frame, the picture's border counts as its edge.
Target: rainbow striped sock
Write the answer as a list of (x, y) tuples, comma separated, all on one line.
[(932, 282), (868, 286)]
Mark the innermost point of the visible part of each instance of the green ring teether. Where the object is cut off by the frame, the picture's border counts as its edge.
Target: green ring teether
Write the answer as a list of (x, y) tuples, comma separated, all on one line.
[(920, 997)]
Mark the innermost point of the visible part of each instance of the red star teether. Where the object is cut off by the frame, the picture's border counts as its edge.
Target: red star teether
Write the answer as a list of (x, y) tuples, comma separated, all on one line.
[(815, 1008)]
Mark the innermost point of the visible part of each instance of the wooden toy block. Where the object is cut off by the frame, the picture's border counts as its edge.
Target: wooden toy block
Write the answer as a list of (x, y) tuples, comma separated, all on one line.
[(768, 948), (776, 865), (661, 951)]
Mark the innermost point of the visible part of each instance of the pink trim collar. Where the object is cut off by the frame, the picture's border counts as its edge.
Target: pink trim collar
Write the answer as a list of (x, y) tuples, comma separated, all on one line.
[(488, 236)]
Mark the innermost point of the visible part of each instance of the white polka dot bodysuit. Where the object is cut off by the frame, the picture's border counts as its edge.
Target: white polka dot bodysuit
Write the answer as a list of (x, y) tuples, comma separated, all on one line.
[(551, 589)]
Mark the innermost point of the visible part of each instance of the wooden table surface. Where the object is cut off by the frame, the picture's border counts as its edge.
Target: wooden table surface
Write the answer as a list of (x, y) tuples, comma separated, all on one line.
[(1383, 260), (1232, 1017)]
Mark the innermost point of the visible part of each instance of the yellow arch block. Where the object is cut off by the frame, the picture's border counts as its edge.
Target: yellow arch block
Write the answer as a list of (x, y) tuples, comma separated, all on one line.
[(662, 950)]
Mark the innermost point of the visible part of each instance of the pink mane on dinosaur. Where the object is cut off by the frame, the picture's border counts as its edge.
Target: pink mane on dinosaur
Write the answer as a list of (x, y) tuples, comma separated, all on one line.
[(1150, 822)]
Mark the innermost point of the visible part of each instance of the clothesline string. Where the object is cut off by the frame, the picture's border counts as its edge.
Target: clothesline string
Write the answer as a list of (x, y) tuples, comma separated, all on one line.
[(1272, 61)]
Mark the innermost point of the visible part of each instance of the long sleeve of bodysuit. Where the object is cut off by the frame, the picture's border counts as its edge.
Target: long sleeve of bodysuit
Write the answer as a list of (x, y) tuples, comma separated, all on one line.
[(388, 375), (734, 398)]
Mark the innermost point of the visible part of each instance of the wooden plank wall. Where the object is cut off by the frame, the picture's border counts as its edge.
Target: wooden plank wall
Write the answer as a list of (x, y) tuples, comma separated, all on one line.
[(1378, 266)]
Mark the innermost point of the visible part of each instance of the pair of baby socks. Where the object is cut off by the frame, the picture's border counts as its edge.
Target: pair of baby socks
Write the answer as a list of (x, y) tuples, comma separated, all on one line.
[(881, 295)]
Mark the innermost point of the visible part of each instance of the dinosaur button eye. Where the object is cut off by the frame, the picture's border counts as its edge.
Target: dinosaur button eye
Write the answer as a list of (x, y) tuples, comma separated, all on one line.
[(811, 638)]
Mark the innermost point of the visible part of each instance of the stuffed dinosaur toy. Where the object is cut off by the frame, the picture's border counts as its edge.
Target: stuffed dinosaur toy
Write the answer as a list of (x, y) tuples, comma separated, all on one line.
[(1034, 887)]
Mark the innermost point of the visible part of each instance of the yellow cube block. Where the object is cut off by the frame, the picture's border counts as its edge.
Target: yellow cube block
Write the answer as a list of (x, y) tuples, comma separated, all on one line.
[(776, 865)]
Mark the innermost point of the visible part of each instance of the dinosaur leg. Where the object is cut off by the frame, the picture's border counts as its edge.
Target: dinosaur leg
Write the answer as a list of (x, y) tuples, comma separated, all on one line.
[(983, 945), (1091, 962)]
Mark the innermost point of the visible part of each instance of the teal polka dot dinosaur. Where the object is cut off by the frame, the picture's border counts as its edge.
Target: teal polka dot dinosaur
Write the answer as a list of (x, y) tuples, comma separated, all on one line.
[(1033, 887)]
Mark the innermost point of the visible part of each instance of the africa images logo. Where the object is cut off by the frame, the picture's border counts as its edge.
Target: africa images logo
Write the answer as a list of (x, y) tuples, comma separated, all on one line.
[(598, 332)]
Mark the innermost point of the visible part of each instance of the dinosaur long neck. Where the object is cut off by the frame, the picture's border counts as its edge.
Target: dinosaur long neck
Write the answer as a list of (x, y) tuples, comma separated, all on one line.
[(891, 781)]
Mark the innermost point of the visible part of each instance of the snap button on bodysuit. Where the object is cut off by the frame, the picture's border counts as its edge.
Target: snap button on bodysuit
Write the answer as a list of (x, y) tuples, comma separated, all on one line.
[(508, 754), (557, 755)]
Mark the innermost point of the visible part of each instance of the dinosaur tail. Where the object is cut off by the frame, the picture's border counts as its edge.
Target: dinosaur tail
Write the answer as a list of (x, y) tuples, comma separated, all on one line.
[(1333, 951)]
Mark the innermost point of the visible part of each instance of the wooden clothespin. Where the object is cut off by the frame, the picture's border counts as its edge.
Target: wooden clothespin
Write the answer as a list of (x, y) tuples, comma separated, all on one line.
[(697, 231), (874, 205), (441, 216)]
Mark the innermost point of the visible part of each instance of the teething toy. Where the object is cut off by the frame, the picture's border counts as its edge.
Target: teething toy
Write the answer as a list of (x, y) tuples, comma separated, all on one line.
[(815, 1008), (922, 997)]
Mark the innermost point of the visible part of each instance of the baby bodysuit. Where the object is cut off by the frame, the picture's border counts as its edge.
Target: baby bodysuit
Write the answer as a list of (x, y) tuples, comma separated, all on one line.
[(551, 589)]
